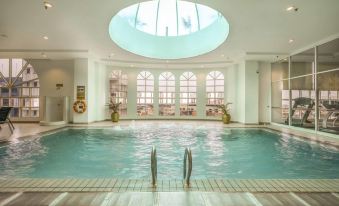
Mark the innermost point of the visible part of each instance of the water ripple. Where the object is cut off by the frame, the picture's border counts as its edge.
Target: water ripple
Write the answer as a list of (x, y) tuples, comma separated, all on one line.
[(124, 152)]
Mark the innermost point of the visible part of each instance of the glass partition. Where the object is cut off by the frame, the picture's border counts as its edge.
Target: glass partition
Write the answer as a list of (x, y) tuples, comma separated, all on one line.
[(302, 63), (280, 102), (303, 89), (279, 70), (328, 86), (303, 102), (279, 92), (313, 87)]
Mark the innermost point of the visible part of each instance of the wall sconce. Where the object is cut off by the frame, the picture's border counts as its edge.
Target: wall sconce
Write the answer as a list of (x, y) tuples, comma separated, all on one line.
[(59, 86)]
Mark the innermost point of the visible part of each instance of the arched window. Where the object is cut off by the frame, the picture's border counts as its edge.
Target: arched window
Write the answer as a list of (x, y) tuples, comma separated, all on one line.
[(145, 89), (188, 94), (118, 90), (214, 92), (166, 94), (19, 88)]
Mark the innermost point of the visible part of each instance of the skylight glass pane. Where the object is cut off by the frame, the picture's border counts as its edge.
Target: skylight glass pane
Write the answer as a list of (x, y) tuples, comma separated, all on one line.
[(167, 21), (206, 16), (169, 17), (17, 65), (129, 14), (187, 18), (147, 16), (4, 67)]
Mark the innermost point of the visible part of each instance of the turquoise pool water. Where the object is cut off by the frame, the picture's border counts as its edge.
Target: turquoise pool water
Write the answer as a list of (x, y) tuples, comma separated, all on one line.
[(124, 152)]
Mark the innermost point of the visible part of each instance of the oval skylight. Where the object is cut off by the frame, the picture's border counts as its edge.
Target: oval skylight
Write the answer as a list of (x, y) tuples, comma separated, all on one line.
[(168, 29)]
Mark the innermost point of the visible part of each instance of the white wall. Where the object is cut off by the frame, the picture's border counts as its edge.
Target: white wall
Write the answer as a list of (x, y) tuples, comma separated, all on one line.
[(90, 74), (246, 107), (248, 91), (101, 96), (240, 92), (52, 72), (264, 92), (81, 79), (251, 92)]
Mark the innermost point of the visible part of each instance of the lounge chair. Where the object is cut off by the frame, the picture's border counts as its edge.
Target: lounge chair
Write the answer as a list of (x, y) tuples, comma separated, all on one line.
[(4, 117)]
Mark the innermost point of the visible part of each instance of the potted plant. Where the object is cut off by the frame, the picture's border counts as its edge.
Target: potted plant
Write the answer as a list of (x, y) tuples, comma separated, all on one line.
[(226, 117), (115, 114)]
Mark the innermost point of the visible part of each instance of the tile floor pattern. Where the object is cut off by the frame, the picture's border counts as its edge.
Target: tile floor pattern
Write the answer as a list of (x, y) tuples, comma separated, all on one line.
[(144, 185), (167, 199)]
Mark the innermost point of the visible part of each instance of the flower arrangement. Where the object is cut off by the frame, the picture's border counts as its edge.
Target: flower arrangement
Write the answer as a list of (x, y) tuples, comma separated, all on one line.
[(114, 106), (226, 117), (224, 108)]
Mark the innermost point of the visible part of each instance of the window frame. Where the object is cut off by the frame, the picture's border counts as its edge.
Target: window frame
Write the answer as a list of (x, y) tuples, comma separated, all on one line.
[(166, 101), (190, 107), (120, 88), (26, 84), (146, 94), (214, 97)]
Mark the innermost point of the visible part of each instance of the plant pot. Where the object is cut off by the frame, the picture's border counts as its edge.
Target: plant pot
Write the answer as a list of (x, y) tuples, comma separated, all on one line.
[(115, 116), (226, 118)]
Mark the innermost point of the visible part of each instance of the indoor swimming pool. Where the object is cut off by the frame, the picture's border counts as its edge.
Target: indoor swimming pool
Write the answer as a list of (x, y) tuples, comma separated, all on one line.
[(124, 152)]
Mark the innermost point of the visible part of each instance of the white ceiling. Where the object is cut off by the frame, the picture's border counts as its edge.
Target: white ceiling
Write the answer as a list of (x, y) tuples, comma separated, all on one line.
[(259, 29)]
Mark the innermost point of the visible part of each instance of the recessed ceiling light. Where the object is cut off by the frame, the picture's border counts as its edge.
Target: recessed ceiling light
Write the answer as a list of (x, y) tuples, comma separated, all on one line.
[(223, 55), (45, 37), (47, 5), (290, 41), (292, 8)]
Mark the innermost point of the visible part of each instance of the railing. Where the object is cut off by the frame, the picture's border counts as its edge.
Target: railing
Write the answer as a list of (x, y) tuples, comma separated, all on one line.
[(154, 166), (187, 169)]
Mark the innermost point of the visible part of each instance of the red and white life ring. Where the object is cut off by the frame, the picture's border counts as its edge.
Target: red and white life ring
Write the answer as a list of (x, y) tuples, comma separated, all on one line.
[(79, 106)]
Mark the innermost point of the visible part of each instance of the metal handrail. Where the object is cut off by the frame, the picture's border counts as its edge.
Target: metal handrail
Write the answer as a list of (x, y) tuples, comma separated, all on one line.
[(187, 170), (154, 166)]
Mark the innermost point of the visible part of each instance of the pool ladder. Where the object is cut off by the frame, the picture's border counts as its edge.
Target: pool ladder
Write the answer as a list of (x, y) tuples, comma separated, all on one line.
[(187, 166), (154, 166)]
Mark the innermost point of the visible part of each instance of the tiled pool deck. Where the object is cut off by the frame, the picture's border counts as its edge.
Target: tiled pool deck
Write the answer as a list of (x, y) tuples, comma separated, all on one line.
[(207, 192), (144, 185)]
